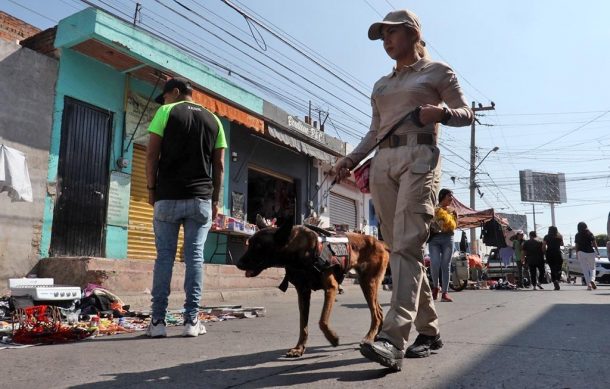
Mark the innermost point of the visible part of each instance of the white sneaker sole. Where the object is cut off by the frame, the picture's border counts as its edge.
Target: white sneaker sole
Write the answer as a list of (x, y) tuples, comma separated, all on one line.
[(192, 334)]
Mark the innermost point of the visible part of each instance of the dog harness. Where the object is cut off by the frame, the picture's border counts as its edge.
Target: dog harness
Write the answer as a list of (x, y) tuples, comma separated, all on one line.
[(333, 252)]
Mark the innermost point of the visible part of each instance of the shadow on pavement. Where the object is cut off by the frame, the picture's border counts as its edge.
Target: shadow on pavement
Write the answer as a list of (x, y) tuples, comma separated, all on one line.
[(362, 306), (565, 346), (255, 370)]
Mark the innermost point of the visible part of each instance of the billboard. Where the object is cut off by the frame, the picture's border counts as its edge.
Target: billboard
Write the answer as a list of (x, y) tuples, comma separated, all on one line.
[(515, 221), (539, 187)]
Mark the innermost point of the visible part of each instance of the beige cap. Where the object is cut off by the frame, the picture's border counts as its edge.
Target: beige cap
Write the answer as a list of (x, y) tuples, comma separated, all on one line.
[(401, 16)]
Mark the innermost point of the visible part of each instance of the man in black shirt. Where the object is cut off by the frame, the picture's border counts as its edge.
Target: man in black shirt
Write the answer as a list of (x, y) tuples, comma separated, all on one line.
[(534, 258), (184, 170)]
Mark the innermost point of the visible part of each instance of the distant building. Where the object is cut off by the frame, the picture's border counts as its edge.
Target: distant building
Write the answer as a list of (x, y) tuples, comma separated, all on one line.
[(14, 30)]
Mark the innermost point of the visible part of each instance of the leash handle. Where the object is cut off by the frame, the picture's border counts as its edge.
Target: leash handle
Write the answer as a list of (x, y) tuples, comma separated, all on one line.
[(414, 115)]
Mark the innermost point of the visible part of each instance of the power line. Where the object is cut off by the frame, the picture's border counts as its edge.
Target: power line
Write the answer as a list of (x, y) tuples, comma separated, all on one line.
[(253, 48), (373, 8), (295, 41), (570, 132), (34, 12), (247, 16)]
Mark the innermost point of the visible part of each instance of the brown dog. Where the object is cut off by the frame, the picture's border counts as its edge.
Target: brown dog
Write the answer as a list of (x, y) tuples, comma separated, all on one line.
[(294, 248)]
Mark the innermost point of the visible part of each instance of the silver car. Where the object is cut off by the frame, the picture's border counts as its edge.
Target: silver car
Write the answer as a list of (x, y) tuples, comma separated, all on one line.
[(602, 265)]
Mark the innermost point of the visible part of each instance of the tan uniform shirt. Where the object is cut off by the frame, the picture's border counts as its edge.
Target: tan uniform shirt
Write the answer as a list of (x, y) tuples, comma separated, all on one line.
[(394, 95)]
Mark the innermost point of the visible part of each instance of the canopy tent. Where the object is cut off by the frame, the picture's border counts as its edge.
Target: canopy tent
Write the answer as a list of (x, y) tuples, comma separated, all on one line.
[(470, 218)]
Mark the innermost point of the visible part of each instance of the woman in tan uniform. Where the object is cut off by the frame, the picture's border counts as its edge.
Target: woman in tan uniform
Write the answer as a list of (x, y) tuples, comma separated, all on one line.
[(405, 177)]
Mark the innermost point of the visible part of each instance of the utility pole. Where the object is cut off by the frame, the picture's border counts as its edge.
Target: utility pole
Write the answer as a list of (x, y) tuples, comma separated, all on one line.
[(137, 16), (534, 214), (473, 156)]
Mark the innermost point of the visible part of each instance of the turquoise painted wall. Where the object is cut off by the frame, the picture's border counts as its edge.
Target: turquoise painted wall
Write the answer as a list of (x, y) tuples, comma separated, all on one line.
[(88, 80), (92, 23), (216, 245)]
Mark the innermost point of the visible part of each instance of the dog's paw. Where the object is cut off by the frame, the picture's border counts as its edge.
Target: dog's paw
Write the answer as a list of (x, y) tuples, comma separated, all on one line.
[(332, 338), (296, 352)]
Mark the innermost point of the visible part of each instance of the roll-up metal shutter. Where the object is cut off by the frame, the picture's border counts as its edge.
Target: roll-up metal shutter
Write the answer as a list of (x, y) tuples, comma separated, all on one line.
[(141, 236), (342, 211)]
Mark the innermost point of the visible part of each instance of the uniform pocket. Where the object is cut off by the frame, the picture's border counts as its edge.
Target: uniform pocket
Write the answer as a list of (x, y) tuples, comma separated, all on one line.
[(426, 159)]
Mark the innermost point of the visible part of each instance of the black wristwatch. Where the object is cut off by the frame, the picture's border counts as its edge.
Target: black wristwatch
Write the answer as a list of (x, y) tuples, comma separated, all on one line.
[(446, 116)]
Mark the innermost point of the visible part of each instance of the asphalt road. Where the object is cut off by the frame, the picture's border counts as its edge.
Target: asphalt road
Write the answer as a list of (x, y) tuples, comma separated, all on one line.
[(493, 339)]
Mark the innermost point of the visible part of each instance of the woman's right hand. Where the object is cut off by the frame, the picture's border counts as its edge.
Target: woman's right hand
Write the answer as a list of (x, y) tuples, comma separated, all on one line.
[(342, 169)]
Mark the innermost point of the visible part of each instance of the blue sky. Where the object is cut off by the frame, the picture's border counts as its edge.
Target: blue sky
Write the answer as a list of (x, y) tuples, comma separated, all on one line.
[(544, 64)]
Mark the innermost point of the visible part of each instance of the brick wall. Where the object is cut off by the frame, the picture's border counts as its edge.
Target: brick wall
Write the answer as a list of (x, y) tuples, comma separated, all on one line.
[(13, 29)]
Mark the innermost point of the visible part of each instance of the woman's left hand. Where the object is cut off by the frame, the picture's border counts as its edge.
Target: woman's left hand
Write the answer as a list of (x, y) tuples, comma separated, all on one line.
[(430, 114)]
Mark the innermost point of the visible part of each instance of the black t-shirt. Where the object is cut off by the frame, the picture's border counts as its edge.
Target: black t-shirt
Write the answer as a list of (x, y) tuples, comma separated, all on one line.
[(584, 241), (533, 252), (553, 244), (190, 135)]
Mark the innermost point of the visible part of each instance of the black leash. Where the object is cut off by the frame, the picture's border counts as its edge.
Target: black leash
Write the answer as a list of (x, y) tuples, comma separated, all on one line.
[(413, 115)]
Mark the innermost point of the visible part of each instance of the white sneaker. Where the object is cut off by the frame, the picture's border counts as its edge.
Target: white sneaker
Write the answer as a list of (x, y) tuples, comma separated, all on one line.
[(193, 329), (156, 329)]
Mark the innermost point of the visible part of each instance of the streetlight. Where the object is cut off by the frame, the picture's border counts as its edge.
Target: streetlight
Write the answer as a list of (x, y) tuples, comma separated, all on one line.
[(487, 155), (473, 186)]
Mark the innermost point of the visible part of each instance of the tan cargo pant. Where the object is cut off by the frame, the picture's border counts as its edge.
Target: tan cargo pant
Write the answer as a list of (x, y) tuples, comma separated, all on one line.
[(404, 185)]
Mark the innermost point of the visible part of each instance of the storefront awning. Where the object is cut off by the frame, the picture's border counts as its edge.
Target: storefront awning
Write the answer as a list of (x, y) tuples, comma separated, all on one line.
[(300, 145), (228, 111)]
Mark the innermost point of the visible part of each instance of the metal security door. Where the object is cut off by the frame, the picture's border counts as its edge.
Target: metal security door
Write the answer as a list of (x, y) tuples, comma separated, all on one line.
[(342, 211), (82, 181)]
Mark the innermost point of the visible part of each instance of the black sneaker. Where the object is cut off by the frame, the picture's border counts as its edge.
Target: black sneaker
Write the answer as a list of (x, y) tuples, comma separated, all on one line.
[(384, 353), (422, 346)]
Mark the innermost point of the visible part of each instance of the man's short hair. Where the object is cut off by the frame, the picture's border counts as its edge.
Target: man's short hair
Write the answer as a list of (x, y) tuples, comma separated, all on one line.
[(183, 85)]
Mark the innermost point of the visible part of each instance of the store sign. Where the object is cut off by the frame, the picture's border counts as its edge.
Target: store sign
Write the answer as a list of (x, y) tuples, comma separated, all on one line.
[(118, 199), (138, 116), (317, 135)]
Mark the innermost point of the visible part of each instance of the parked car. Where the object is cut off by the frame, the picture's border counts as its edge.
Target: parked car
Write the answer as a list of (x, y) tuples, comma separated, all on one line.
[(602, 265), (494, 268)]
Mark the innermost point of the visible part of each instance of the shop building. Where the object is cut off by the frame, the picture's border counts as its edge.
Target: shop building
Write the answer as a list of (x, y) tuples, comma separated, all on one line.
[(27, 85)]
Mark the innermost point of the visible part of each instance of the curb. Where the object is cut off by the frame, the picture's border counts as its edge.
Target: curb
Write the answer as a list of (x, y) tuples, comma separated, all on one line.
[(141, 302)]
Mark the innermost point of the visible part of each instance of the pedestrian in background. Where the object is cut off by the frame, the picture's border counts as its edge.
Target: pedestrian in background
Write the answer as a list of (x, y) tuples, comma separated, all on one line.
[(586, 246), (184, 170), (405, 178), (441, 244), (519, 258), (534, 258), (551, 245)]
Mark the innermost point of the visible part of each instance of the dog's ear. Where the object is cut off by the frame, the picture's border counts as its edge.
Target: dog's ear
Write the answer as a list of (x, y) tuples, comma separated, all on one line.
[(260, 222), (282, 235)]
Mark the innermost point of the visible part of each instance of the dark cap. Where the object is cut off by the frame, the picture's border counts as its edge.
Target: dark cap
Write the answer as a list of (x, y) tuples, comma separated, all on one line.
[(183, 85)]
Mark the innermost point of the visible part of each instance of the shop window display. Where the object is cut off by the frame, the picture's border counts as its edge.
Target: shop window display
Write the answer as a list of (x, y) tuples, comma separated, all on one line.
[(271, 197)]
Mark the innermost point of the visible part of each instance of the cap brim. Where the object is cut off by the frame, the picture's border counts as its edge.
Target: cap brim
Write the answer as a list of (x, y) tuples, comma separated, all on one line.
[(375, 29), (160, 99)]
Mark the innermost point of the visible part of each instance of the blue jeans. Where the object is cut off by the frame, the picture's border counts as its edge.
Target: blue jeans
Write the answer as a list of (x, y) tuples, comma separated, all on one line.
[(196, 217), (441, 249)]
